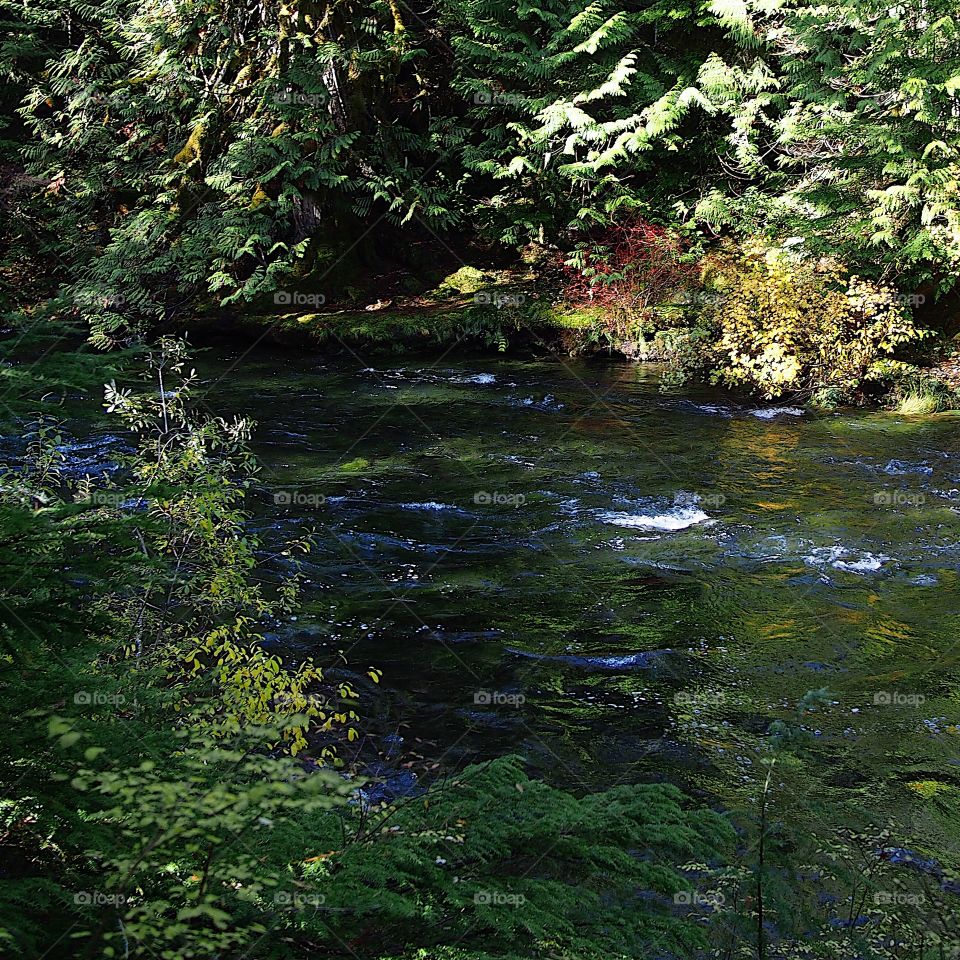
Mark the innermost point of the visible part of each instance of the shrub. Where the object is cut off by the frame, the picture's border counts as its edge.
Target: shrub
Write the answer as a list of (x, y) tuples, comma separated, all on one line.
[(199, 613), (789, 324), (505, 866), (687, 351), (634, 268)]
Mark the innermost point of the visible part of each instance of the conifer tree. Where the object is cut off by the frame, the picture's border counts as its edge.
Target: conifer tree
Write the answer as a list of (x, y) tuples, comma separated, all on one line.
[(579, 107), (847, 124)]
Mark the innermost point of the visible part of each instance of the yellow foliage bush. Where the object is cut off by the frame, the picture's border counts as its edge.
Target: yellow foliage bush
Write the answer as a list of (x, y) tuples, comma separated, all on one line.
[(788, 324), (256, 687)]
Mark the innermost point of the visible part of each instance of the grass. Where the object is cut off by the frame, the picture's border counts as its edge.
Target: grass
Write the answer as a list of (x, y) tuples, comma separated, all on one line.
[(918, 403)]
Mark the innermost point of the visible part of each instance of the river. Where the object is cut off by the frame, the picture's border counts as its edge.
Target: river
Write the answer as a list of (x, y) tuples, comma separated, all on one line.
[(558, 560)]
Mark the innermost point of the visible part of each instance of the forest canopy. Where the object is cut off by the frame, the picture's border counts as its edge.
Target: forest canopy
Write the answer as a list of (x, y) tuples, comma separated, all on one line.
[(170, 157)]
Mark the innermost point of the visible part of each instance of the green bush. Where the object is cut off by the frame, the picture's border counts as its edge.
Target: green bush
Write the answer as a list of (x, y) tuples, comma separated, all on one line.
[(511, 867)]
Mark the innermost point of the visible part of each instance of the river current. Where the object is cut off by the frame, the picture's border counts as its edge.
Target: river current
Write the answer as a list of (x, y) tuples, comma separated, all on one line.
[(561, 561)]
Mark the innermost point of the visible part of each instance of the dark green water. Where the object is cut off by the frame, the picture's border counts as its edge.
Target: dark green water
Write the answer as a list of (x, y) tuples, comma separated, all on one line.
[(559, 560)]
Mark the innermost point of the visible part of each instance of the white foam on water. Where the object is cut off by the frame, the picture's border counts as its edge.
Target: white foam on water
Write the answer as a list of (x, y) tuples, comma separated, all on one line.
[(519, 461), (714, 409), (428, 505), (865, 564), (900, 468), (677, 519), (840, 558), (548, 403), (824, 555), (482, 378), (769, 413)]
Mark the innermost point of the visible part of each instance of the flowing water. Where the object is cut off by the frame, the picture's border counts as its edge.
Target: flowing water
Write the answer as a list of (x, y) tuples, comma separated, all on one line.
[(559, 560)]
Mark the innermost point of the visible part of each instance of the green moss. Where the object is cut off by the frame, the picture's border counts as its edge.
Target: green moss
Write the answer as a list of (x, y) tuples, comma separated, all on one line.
[(355, 466), (578, 318), (464, 280), (439, 323)]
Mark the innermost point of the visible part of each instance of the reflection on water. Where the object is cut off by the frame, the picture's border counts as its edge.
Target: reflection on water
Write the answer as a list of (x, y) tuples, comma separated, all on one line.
[(559, 560)]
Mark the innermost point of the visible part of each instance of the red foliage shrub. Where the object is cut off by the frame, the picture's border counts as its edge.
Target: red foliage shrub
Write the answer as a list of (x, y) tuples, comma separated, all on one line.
[(631, 269)]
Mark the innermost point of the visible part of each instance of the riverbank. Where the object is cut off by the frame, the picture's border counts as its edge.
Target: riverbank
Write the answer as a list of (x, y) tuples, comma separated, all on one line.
[(534, 328)]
